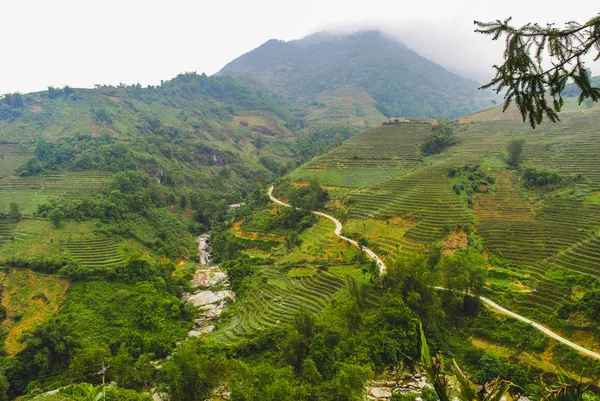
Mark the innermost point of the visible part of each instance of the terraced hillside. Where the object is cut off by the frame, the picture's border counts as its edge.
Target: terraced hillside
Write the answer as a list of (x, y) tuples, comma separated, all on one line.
[(5, 230), (28, 298), (276, 298), (12, 156), (96, 253), (542, 235), (371, 157), (28, 192), (319, 245)]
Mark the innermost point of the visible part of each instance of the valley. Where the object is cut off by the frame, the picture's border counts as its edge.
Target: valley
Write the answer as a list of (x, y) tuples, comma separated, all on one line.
[(279, 231)]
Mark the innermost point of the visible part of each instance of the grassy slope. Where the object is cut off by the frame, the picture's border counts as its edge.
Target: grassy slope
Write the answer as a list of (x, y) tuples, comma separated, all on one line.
[(345, 106), (28, 298)]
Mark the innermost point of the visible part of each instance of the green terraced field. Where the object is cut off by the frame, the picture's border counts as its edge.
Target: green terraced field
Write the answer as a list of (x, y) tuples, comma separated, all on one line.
[(6, 227), (373, 156), (96, 253), (319, 245), (28, 192), (538, 235), (425, 194), (275, 299)]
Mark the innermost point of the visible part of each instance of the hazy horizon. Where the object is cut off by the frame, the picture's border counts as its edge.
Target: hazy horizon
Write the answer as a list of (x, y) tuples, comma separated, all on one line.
[(69, 43)]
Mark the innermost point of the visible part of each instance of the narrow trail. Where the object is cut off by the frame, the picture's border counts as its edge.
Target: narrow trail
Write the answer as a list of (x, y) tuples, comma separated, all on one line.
[(488, 302)]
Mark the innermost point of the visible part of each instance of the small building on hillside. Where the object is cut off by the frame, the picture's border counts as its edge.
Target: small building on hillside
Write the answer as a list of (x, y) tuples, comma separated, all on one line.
[(404, 120), (398, 120)]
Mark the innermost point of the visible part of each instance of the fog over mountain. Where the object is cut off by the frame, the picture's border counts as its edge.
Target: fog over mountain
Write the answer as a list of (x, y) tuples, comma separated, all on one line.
[(458, 50), (65, 42), (400, 80)]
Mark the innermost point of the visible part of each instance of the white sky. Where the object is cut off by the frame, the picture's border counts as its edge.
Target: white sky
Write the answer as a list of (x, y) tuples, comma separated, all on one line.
[(84, 42)]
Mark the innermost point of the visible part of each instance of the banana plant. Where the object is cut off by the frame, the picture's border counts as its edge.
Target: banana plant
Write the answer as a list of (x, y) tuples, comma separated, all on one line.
[(434, 369), (491, 391), (464, 389), (568, 388)]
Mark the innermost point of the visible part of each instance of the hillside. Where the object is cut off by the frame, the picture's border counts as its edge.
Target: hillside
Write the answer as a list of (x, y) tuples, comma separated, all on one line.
[(363, 65), (192, 139), (105, 189), (536, 226)]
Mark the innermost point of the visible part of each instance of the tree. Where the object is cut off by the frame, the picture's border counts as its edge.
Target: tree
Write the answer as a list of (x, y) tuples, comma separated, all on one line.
[(189, 376), (13, 211), (525, 75), (514, 150), (56, 216), (464, 271), (441, 137), (87, 362)]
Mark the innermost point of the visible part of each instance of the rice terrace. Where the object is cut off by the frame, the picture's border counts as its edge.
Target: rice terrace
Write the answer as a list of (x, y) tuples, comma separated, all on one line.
[(377, 211)]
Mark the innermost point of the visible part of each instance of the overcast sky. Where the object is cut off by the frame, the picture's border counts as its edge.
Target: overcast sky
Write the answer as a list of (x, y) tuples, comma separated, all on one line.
[(85, 42)]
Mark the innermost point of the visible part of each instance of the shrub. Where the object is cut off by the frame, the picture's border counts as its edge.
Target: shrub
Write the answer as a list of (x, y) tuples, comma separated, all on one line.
[(441, 138), (514, 150)]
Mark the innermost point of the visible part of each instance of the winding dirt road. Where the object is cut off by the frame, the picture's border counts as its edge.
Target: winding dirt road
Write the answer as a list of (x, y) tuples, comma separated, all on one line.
[(338, 232), (488, 302)]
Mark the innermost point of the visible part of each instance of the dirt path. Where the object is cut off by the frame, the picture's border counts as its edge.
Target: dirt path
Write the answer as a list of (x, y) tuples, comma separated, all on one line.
[(486, 301), (338, 232)]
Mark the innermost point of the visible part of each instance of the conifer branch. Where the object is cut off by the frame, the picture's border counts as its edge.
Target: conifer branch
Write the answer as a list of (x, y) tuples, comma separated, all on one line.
[(523, 75)]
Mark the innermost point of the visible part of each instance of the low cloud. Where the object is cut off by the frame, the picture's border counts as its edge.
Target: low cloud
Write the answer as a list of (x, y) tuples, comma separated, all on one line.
[(452, 44)]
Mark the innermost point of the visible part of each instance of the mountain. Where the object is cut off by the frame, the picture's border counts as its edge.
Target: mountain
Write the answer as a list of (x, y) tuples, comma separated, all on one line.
[(401, 82)]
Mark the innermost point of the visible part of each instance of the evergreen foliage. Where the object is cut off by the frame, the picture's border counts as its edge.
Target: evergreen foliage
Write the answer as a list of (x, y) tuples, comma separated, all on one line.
[(514, 150), (537, 89)]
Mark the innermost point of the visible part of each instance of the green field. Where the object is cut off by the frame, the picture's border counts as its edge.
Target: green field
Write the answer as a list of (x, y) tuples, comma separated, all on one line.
[(28, 299), (318, 244), (276, 299), (373, 156), (28, 192), (96, 253)]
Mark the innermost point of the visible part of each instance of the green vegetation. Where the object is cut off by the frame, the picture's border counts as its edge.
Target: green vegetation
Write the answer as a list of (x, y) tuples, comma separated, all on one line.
[(441, 138), (272, 299), (103, 192), (514, 150), (547, 178), (470, 179), (529, 234), (401, 82), (523, 68), (307, 197)]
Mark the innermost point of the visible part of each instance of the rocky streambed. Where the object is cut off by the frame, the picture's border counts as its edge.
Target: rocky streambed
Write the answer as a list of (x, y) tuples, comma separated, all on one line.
[(210, 290), (405, 381)]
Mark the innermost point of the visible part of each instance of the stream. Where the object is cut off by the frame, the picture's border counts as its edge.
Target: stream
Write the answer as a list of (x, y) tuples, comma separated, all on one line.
[(211, 291)]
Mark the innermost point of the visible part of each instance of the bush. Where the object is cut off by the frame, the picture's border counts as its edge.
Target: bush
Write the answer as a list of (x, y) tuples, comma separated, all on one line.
[(514, 150), (548, 178), (441, 138)]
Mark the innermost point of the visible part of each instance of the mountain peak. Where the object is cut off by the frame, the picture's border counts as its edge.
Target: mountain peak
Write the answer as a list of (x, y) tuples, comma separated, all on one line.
[(400, 80)]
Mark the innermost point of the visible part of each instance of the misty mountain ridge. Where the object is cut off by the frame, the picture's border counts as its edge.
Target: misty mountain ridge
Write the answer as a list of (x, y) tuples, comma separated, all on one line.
[(400, 80)]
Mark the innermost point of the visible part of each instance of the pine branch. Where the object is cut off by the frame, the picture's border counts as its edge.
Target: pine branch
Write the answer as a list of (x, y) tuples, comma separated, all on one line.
[(523, 75)]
